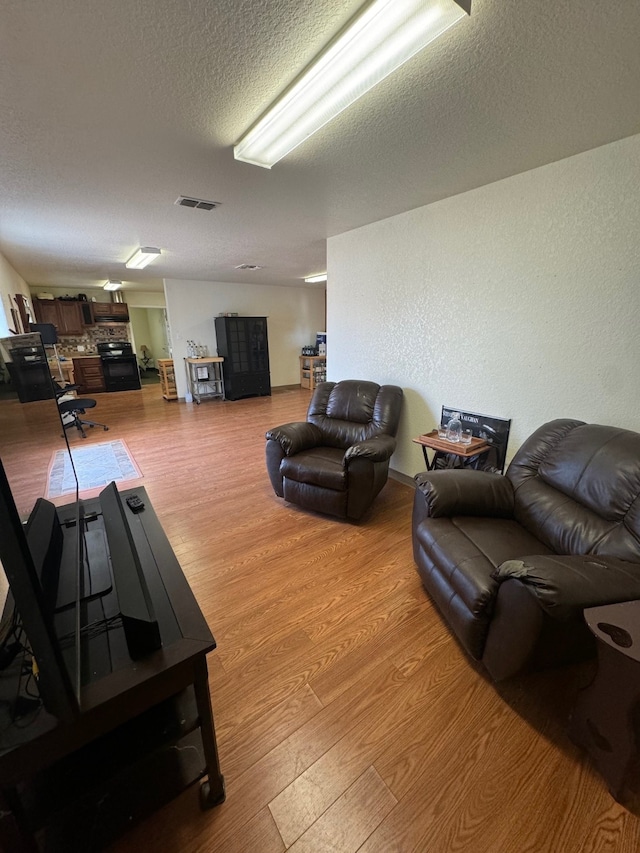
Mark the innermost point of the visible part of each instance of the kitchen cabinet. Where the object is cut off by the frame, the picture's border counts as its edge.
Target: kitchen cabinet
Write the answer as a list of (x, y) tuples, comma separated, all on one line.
[(65, 314), (46, 311), (110, 312), (243, 343), (88, 375), (70, 318)]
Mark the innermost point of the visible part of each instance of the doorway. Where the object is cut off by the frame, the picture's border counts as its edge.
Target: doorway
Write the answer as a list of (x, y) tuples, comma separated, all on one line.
[(150, 340)]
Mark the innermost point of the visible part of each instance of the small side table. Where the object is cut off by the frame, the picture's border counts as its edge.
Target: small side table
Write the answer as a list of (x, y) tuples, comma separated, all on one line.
[(605, 721), (469, 454), (204, 377)]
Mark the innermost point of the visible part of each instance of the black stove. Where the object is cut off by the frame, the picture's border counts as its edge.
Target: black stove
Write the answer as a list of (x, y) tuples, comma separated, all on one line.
[(119, 366), (30, 374)]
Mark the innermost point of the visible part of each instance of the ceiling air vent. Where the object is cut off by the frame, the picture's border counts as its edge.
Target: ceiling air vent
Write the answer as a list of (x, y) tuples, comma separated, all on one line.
[(248, 267), (201, 203)]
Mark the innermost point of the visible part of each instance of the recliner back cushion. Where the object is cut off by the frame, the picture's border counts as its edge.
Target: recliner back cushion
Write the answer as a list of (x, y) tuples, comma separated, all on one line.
[(577, 488), (351, 411)]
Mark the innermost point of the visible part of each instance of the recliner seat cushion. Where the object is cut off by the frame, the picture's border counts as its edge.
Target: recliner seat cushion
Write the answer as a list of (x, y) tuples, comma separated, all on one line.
[(320, 466), (467, 550)]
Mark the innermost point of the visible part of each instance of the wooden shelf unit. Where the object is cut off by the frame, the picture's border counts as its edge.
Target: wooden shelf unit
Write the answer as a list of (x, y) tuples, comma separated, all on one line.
[(313, 369), (167, 378)]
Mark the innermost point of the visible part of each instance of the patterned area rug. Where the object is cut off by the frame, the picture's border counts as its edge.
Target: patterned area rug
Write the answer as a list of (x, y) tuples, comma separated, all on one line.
[(96, 466)]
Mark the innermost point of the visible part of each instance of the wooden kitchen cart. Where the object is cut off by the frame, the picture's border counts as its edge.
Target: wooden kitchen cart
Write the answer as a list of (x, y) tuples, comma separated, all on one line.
[(167, 378), (204, 377)]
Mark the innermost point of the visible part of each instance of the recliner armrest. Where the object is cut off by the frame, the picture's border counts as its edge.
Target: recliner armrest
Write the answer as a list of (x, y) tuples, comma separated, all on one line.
[(566, 584), (295, 437), (463, 491), (377, 449)]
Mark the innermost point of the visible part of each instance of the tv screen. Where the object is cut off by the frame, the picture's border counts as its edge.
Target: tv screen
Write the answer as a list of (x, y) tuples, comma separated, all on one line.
[(47, 331)]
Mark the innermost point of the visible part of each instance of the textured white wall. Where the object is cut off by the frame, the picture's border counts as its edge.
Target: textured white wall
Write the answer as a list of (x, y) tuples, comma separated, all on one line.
[(10, 284), (520, 299), (294, 316)]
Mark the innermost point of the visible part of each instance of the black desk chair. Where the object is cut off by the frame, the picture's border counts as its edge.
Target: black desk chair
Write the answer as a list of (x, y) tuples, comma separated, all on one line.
[(74, 408)]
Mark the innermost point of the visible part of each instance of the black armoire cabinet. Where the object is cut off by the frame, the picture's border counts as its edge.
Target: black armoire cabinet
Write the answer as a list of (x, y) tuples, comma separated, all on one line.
[(243, 343)]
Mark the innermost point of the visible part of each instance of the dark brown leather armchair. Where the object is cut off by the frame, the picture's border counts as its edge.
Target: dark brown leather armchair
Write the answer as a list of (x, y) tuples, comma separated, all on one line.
[(511, 562), (337, 461)]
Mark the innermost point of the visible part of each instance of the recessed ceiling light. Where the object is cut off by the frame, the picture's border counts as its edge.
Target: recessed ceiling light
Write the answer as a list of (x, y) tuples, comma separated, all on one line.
[(112, 285), (313, 279)]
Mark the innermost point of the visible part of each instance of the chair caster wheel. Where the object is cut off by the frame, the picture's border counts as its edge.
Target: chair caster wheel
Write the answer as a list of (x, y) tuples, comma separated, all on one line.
[(106, 428), (206, 802)]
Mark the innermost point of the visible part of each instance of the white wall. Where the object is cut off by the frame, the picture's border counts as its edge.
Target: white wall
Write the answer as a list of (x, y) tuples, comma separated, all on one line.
[(10, 284), (520, 299), (294, 315)]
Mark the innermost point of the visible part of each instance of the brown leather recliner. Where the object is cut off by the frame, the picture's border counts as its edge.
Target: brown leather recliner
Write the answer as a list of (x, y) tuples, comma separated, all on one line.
[(511, 562), (337, 461)]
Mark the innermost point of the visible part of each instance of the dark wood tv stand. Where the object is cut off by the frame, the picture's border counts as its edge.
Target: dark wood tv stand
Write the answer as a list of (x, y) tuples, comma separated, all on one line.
[(144, 732)]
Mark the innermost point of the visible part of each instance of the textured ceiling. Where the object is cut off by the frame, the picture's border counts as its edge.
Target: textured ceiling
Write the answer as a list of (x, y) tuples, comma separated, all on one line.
[(110, 111)]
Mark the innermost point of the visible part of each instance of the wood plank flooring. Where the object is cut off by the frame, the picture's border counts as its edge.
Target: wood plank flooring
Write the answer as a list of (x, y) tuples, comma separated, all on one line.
[(348, 718)]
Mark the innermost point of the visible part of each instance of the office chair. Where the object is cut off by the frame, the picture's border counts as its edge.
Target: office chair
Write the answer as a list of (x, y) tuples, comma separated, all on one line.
[(71, 408)]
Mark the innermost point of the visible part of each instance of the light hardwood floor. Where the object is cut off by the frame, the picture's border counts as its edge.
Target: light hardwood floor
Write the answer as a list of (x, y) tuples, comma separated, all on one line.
[(348, 718)]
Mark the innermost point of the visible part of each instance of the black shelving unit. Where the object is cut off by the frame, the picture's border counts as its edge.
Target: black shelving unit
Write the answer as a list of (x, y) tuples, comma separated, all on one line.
[(244, 345)]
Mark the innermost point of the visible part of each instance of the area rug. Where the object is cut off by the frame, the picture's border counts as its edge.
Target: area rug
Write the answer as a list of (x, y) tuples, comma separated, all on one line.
[(96, 466)]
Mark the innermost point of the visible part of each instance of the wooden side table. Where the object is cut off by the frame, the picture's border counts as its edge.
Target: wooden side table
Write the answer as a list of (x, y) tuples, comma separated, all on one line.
[(445, 451), (606, 719)]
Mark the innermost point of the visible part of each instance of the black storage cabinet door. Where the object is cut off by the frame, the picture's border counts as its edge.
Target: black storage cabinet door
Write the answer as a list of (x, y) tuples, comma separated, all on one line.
[(243, 343)]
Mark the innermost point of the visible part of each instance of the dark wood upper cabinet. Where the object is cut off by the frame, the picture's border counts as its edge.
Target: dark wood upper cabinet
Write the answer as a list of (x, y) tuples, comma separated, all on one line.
[(71, 316), (65, 314)]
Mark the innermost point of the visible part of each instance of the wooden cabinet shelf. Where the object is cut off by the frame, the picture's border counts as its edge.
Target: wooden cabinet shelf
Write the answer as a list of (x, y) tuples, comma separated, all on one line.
[(113, 312), (313, 369), (88, 375), (167, 378), (65, 315)]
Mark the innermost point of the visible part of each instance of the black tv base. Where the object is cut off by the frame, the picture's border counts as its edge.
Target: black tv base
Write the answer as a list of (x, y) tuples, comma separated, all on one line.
[(115, 760)]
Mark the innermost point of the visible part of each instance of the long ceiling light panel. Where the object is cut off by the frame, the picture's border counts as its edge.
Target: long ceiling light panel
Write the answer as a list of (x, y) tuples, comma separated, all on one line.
[(383, 36), (142, 257)]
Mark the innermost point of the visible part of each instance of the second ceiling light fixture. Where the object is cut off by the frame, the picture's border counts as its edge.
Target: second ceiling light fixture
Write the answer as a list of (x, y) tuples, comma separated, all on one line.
[(382, 36)]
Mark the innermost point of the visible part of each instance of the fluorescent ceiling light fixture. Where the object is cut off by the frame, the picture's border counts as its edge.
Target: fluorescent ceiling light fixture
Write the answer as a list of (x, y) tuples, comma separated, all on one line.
[(112, 285), (142, 257), (312, 279), (382, 36)]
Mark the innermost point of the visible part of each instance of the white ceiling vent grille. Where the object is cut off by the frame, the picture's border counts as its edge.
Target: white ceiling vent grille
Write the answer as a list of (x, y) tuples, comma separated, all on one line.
[(200, 203), (248, 267)]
